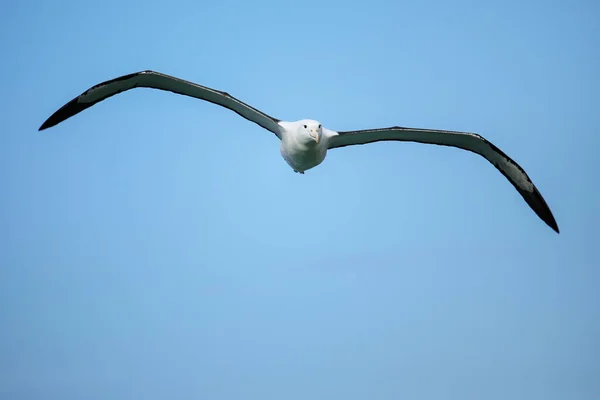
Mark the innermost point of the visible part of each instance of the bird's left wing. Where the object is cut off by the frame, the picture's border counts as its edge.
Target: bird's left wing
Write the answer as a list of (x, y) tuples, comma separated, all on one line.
[(157, 80), (462, 140)]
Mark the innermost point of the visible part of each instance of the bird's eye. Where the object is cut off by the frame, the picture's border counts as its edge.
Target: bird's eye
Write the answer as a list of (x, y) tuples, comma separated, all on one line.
[(319, 126), (304, 126)]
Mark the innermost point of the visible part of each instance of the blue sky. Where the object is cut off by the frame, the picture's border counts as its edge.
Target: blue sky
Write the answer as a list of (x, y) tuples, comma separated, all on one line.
[(158, 246)]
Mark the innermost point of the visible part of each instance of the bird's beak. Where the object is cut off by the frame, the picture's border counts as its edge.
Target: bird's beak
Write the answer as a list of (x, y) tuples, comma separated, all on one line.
[(315, 135)]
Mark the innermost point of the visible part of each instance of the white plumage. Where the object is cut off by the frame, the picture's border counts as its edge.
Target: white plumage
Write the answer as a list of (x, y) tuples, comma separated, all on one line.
[(304, 143)]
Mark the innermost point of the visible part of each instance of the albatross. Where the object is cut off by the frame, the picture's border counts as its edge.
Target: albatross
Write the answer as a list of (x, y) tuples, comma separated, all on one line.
[(304, 143)]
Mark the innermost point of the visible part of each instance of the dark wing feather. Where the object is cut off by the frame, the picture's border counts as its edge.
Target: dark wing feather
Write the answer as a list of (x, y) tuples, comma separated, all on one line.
[(462, 140), (157, 80)]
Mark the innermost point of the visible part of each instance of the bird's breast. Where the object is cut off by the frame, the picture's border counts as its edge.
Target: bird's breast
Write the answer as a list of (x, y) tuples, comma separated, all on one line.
[(302, 158)]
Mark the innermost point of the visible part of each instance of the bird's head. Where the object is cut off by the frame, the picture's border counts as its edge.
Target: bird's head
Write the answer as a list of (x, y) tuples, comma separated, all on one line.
[(310, 131)]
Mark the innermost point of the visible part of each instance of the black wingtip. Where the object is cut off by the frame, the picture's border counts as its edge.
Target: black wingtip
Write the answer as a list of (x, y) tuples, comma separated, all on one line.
[(67, 111), (50, 122), (74, 107), (539, 206), (47, 124), (533, 197)]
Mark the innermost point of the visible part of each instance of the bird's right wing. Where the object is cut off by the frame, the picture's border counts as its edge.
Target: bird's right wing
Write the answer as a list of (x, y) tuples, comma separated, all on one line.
[(462, 140), (157, 80)]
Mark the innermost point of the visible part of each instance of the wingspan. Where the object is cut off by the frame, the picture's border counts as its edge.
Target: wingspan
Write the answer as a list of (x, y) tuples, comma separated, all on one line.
[(462, 140), (157, 80)]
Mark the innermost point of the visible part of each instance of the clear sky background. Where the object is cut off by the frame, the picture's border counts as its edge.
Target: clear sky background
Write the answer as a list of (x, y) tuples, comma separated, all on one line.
[(157, 246)]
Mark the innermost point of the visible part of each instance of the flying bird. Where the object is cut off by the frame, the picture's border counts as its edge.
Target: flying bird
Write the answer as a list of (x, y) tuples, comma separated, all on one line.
[(304, 143)]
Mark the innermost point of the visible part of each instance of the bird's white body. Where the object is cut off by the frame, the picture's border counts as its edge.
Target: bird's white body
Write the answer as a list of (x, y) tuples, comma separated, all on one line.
[(300, 150)]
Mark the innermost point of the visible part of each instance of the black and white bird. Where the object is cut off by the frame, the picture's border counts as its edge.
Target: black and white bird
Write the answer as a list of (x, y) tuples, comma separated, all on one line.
[(304, 143)]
